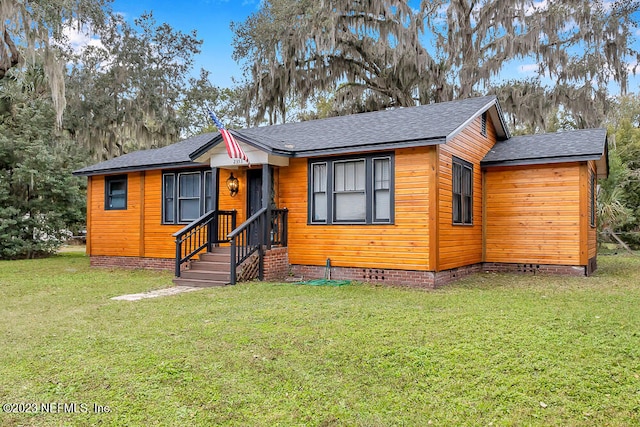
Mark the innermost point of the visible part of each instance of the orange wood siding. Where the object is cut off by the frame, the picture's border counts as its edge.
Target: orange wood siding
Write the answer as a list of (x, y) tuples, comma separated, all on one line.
[(403, 245), (89, 213), (460, 245), (115, 232), (239, 201), (533, 214), (138, 230), (158, 239), (593, 231)]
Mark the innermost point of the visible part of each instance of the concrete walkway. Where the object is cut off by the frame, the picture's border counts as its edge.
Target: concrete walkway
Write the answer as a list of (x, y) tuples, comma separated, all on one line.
[(157, 293)]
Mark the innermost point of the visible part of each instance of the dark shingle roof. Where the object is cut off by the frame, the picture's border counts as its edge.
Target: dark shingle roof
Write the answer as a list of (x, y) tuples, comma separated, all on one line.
[(178, 154), (423, 125), (426, 124), (585, 144)]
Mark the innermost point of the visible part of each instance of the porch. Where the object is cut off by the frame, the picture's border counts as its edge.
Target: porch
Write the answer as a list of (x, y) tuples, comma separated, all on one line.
[(227, 254), (213, 249)]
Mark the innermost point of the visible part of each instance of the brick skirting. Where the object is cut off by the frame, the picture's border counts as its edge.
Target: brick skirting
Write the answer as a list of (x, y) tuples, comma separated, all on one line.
[(563, 270), (430, 279), (412, 278), (277, 267), (132, 262)]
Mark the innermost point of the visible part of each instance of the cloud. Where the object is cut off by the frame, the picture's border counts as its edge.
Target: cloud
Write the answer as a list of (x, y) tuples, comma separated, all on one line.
[(536, 6), (80, 38), (528, 68)]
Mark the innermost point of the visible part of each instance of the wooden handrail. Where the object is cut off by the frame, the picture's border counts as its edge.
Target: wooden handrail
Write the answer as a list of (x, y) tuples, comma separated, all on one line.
[(196, 222), (243, 244), (202, 233), (254, 234), (246, 224)]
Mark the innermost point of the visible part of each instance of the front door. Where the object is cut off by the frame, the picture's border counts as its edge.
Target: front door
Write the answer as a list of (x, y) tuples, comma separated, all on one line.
[(254, 199), (254, 191)]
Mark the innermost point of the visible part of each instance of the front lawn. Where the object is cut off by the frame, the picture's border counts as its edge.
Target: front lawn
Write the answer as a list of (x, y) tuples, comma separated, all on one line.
[(488, 350)]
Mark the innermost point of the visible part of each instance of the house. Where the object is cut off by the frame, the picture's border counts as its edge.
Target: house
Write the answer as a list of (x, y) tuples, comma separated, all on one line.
[(417, 196)]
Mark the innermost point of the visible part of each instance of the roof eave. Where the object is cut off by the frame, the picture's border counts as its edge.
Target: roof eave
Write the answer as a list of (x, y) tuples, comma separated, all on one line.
[(127, 169), (540, 160), (371, 147)]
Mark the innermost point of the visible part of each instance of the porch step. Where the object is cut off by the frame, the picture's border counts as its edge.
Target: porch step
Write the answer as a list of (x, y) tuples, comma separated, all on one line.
[(180, 281), (211, 269), (215, 275), (215, 257)]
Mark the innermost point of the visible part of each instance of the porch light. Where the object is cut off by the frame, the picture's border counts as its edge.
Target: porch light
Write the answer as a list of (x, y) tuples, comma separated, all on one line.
[(232, 185)]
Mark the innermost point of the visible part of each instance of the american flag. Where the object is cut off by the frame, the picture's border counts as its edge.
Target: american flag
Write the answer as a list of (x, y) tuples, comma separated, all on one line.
[(233, 148)]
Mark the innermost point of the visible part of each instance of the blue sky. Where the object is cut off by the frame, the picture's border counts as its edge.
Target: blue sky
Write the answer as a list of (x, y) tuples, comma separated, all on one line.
[(211, 20)]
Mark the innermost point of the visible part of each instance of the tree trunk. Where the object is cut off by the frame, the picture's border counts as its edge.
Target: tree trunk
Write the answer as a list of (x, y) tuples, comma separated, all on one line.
[(8, 59), (619, 240)]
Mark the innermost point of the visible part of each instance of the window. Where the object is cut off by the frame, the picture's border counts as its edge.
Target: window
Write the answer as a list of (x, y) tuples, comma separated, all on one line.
[(208, 191), (186, 196), (351, 190), (594, 190), (382, 189), (483, 124), (319, 192), (115, 192), (462, 192), (168, 208)]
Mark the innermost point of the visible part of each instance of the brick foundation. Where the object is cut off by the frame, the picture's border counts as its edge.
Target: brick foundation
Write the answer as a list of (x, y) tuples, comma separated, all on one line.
[(430, 279), (132, 262), (412, 278), (563, 270), (277, 267), (276, 264)]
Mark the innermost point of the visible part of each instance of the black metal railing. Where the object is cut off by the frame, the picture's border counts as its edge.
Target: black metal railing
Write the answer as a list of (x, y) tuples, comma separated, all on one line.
[(210, 229), (278, 232), (252, 236), (246, 240)]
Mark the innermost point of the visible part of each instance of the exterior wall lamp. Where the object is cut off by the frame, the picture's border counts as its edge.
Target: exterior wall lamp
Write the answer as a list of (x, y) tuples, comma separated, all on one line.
[(233, 185)]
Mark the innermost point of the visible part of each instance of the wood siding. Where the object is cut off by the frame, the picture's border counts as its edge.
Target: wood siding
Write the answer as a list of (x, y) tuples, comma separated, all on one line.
[(114, 232), (592, 234), (533, 214), (158, 239), (138, 231), (239, 201), (402, 245), (460, 245)]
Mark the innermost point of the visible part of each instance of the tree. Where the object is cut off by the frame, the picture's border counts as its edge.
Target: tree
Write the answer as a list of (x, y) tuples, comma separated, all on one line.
[(40, 201), (303, 47), (228, 103), (383, 53), (619, 194), (125, 94), (34, 28), (625, 130)]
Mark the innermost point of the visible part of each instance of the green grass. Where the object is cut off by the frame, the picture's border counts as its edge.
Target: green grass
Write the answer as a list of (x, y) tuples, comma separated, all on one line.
[(496, 350)]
